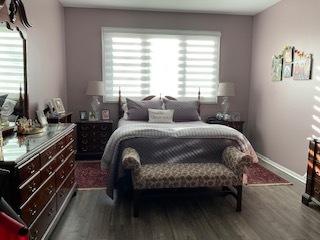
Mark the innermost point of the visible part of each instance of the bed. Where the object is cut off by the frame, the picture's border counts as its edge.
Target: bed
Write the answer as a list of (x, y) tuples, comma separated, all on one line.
[(177, 142)]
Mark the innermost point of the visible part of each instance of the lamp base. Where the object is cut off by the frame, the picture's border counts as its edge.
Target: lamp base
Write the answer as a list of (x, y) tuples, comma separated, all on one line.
[(95, 105), (225, 105)]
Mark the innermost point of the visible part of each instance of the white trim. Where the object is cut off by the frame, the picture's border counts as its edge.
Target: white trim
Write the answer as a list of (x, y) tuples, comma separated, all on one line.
[(162, 31), (282, 168)]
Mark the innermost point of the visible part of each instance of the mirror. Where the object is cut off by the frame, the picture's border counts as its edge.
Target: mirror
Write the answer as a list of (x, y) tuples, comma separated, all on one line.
[(13, 77)]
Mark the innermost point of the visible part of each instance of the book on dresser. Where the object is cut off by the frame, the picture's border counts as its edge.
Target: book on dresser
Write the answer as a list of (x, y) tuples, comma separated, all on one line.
[(41, 181)]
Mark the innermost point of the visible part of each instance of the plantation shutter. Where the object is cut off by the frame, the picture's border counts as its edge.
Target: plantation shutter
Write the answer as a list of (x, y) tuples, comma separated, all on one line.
[(152, 62)]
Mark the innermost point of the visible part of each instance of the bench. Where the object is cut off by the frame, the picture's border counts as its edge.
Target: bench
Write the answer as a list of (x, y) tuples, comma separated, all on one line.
[(228, 174)]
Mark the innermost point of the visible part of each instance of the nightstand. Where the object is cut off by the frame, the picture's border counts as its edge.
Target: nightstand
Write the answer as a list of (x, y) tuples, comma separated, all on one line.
[(92, 138), (238, 125)]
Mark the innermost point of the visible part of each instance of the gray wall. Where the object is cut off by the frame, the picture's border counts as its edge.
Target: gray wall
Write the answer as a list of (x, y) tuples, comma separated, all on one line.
[(46, 53), (283, 114), (46, 58), (83, 44)]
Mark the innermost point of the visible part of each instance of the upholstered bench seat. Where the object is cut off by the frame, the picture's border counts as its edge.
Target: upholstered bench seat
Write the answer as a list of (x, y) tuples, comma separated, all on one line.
[(227, 174), (183, 175)]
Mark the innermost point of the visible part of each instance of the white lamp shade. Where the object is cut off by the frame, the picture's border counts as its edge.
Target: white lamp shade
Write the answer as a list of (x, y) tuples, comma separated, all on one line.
[(95, 88), (226, 89)]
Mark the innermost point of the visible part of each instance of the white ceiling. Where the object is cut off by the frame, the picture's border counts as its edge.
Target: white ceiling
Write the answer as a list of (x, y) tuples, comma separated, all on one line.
[(241, 7)]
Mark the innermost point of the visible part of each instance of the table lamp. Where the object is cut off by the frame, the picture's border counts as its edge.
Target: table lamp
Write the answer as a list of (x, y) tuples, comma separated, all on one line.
[(95, 89), (226, 90)]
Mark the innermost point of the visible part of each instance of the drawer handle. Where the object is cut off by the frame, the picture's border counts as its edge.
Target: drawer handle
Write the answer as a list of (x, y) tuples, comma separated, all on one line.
[(31, 168), (50, 213), (32, 212), (50, 190), (32, 188)]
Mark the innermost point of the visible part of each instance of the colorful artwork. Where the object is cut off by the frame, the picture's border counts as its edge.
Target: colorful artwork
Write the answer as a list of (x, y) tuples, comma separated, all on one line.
[(277, 62), (288, 54), (302, 66), (287, 70)]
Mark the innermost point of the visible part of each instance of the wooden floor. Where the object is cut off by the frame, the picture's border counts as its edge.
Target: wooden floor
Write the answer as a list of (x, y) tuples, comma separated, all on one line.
[(270, 213)]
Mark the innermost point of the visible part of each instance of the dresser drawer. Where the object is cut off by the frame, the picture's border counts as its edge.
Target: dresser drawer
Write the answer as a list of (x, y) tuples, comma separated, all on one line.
[(30, 188), (48, 154), (60, 145), (64, 170), (48, 170), (65, 189), (48, 189), (70, 149), (34, 206), (29, 169), (40, 226), (70, 137)]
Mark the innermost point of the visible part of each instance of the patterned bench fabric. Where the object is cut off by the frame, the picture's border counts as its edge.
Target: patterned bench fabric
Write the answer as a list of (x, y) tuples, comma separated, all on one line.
[(130, 159), (236, 160), (182, 175)]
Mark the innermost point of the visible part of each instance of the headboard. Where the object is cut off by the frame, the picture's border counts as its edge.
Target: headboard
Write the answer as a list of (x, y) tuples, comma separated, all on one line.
[(121, 112)]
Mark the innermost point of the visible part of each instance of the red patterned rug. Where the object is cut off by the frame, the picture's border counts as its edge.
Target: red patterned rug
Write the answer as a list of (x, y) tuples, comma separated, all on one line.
[(260, 176), (90, 176)]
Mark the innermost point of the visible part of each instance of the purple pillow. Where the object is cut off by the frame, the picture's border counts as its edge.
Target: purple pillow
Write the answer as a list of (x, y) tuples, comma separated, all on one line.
[(184, 111), (138, 110)]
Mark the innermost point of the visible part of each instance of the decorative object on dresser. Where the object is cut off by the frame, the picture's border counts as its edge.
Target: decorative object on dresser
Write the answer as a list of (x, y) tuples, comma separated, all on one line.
[(42, 118), (57, 105), (95, 89), (61, 118), (312, 193), (226, 90), (41, 176), (92, 138), (238, 125)]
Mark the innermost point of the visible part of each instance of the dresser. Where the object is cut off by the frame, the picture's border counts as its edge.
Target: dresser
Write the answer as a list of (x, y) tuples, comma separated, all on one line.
[(238, 125), (92, 138), (312, 192), (41, 180)]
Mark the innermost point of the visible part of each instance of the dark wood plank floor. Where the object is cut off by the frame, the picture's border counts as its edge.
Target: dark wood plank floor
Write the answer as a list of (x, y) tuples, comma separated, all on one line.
[(270, 213)]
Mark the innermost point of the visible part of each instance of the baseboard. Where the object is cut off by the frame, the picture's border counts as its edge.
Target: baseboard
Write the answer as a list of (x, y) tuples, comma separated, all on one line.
[(282, 168)]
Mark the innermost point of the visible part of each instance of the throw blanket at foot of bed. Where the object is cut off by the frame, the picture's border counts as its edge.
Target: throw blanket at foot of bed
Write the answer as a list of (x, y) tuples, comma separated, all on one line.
[(174, 143)]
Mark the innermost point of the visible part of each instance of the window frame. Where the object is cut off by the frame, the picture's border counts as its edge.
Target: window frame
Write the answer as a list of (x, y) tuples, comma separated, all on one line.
[(172, 32)]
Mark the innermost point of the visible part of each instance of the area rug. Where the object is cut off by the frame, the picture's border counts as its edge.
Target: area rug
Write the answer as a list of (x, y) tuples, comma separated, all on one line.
[(260, 176), (89, 175)]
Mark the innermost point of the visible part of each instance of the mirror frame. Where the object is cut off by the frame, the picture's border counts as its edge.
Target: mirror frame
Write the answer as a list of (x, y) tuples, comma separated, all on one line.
[(13, 27)]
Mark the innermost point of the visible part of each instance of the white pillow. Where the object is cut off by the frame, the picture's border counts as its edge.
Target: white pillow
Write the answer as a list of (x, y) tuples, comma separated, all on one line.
[(160, 116)]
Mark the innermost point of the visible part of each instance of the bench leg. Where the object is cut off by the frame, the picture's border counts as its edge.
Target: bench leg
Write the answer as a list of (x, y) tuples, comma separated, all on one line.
[(136, 202), (239, 198)]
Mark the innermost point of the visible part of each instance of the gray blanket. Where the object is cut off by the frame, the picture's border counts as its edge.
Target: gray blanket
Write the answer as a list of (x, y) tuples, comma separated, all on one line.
[(176, 143)]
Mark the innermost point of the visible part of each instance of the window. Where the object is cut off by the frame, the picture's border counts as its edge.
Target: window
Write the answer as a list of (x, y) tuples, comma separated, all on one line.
[(152, 62), (11, 63)]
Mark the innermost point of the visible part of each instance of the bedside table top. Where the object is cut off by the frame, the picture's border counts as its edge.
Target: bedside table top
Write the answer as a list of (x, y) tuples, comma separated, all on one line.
[(99, 121)]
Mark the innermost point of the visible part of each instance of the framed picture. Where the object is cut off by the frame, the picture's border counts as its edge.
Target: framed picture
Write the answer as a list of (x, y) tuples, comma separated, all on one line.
[(277, 62), (83, 115), (42, 118), (92, 116), (302, 67), (58, 106), (288, 54), (105, 114), (287, 70)]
